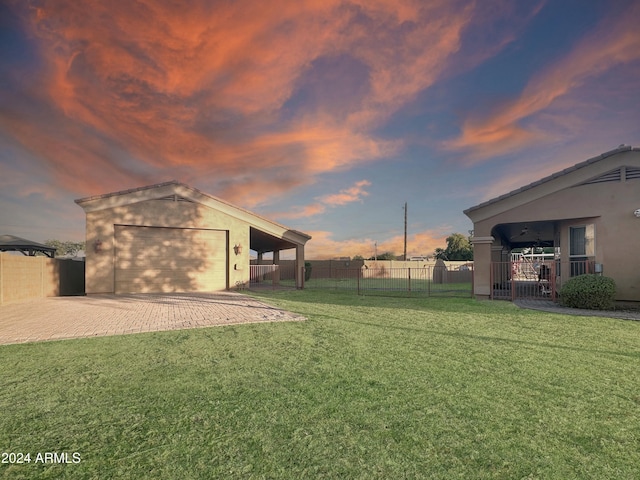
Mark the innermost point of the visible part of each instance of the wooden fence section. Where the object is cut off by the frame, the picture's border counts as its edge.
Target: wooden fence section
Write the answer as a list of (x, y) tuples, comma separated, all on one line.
[(22, 278)]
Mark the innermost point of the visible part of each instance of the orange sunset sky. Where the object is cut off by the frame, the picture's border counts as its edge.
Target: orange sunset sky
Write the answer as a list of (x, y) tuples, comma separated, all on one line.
[(325, 116)]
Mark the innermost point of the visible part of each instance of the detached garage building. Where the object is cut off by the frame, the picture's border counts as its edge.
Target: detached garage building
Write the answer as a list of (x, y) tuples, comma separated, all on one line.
[(171, 237)]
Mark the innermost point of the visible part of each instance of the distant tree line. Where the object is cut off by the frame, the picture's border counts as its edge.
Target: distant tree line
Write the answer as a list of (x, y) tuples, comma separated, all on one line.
[(65, 248), (458, 248)]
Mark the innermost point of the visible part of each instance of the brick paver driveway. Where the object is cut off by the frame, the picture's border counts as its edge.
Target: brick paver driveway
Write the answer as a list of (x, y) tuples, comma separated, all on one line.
[(99, 315)]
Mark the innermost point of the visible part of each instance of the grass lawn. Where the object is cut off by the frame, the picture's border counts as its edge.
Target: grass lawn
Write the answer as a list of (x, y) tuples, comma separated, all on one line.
[(368, 387), (387, 286)]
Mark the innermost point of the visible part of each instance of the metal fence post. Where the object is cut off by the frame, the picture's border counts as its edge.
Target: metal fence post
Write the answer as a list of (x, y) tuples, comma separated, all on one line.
[(492, 276), (473, 279), (553, 281)]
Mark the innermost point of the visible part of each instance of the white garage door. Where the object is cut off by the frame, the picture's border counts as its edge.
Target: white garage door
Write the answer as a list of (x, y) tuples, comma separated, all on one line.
[(153, 260)]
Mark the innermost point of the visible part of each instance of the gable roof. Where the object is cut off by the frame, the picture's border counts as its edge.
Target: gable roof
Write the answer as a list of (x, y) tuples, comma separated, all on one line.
[(182, 192), (563, 173)]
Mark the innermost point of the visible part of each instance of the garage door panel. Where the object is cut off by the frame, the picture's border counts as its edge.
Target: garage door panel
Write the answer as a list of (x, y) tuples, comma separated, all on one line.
[(150, 259)]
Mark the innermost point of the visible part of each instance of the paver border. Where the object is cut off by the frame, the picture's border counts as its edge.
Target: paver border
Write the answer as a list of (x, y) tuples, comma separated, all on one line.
[(57, 318)]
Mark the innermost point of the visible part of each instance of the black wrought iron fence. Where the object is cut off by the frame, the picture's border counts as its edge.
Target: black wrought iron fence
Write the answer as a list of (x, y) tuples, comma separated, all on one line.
[(536, 279), (421, 281)]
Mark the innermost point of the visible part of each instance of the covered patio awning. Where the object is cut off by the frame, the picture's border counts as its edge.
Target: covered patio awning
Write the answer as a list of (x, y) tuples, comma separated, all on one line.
[(526, 234), (262, 241), (11, 243)]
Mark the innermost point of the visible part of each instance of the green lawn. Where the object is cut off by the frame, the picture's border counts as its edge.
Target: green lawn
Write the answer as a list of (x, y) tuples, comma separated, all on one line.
[(368, 387), (387, 286)]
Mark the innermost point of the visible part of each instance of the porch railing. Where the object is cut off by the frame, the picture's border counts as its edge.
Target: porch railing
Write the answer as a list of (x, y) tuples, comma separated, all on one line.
[(272, 275), (543, 279)]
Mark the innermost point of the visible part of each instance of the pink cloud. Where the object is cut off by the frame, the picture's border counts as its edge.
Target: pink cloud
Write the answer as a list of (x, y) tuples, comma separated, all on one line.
[(348, 195), (324, 246), (614, 43), (302, 212), (184, 92)]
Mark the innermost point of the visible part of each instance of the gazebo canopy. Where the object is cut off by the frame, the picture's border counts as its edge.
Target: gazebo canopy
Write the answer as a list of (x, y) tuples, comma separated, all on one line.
[(11, 243)]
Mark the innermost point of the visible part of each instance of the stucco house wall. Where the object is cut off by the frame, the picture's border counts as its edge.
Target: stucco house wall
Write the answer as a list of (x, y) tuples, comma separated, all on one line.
[(100, 263), (170, 237), (570, 198)]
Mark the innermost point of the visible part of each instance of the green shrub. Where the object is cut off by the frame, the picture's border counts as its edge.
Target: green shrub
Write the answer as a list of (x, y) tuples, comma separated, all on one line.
[(307, 271), (588, 291)]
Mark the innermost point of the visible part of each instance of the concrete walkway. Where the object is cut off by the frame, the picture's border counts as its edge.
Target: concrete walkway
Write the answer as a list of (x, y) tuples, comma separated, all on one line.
[(549, 306), (57, 318)]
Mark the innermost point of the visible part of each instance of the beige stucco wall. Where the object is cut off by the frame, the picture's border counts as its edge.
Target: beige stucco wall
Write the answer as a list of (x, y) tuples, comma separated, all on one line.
[(609, 206), (100, 270), (22, 278)]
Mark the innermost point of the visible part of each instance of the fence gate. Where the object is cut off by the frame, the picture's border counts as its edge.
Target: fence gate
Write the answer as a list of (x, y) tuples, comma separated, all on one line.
[(531, 278), (523, 279)]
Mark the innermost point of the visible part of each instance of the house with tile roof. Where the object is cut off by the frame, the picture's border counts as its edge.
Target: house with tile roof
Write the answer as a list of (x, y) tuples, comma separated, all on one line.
[(588, 215)]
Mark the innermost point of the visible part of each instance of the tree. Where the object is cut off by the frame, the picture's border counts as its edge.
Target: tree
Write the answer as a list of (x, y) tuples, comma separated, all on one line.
[(65, 248), (458, 248), (440, 254), (385, 256), (358, 257)]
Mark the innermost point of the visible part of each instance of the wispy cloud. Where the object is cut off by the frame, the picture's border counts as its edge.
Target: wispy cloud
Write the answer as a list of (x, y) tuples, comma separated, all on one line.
[(354, 193), (419, 243), (348, 195), (513, 126), (216, 92), (302, 212)]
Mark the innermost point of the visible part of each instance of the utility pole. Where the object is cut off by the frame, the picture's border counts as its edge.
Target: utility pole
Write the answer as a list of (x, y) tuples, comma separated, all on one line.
[(405, 232), (375, 254)]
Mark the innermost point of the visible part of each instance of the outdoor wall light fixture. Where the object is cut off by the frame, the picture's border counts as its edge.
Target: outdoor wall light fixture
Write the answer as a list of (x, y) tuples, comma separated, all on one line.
[(97, 246), (637, 213), (237, 249)]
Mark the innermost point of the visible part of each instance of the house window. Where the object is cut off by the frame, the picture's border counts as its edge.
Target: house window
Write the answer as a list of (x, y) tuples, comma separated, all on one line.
[(581, 248)]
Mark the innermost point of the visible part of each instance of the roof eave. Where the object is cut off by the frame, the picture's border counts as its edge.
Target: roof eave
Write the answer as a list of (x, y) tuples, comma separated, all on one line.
[(553, 176)]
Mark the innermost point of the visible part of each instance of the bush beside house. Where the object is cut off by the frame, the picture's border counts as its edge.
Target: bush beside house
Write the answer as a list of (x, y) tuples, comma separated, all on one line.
[(307, 271), (589, 291)]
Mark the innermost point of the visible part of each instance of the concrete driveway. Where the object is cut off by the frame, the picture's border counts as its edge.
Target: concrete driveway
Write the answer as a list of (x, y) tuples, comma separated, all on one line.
[(57, 318)]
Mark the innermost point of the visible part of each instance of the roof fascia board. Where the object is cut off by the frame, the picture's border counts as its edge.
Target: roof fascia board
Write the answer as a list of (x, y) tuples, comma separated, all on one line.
[(155, 192), (252, 219), (120, 199)]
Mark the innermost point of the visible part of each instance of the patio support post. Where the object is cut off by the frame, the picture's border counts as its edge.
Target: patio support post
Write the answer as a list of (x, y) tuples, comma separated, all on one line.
[(482, 266), (299, 266), (276, 269)]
